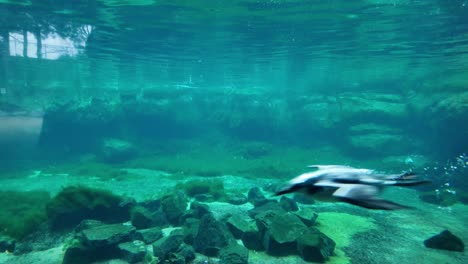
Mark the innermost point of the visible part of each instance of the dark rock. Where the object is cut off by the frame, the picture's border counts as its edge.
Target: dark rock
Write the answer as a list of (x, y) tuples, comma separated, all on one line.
[(199, 209), (159, 219), (116, 150), (174, 207), (151, 205), (132, 252), (188, 253), (149, 235), (280, 232), (172, 249), (256, 197), (141, 218), (234, 254), (270, 206), (307, 216), (212, 236), (106, 235), (445, 240), (315, 246), (288, 204), (190, 229), (87, 224), (7, 244), (77, 254), (237, 199), (238, 225), (204, 197), (303, 198), (167, 245)]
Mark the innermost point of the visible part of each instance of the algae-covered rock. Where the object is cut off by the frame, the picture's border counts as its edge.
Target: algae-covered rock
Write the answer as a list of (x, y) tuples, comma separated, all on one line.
[(149, 235), (211, 188), (132, 251), (95, 241), (142, 218), (117, 150), (280, 232), (76, 203), (372, 138), (212, 236), (271, 205), (234, 254), (106, 235), (245, 230), (256, 197), (174, 207), (172, 249), (307, 216), (445, 240), (237, 198), (288, 204), (372, 107), (315, 246)]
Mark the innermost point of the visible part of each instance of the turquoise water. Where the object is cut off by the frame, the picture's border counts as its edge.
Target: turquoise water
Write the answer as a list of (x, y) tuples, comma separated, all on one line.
[(214, 98)]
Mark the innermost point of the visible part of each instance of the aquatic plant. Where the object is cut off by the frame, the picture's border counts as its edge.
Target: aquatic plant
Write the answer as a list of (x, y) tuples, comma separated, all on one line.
[(76, 203), (212, 187), (22, 212)]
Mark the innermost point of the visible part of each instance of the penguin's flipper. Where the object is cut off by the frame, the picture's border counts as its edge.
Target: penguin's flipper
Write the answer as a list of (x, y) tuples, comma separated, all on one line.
[(365, 196)]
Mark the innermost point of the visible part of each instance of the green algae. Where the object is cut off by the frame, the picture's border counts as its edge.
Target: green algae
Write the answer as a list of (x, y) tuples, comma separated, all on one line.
[(22, 213), (341, 227)]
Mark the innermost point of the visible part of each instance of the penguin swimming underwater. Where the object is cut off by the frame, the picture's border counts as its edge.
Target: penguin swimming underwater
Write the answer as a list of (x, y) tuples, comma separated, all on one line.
[(351, 185)]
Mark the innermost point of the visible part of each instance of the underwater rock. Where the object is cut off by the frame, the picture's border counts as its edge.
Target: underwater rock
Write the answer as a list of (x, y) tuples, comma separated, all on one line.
[(116, 150), (446, 118), (106, 235), (256, 197), (234, 254), (133, 251), (246, 230), (149, 235), (198, 210), (371, 139), (141, 218), (373, 107), (190, 230), (307, 216), (7, 244), (172, 248), (318, 114), (151, 205), (211, 237), (445, 240), (288, 204), (315, 246), (237, 199), (76, 203), (174, 207), (272, 205), (280, 232), (94, 241)]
